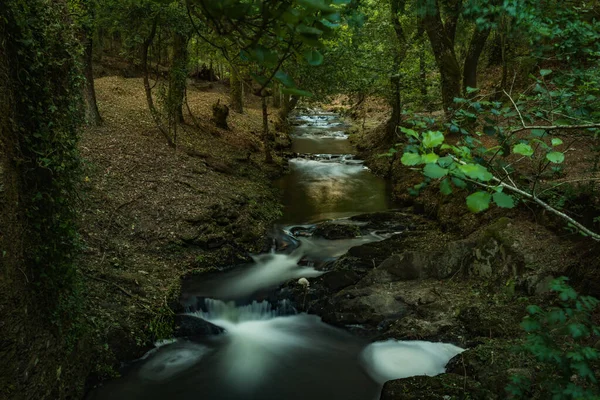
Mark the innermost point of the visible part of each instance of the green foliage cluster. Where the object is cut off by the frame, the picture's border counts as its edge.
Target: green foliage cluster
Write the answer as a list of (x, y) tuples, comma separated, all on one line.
[(45, 83), (559, 338)]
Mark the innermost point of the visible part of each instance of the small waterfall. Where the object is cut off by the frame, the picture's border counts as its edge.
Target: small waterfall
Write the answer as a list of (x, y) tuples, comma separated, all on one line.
[(228, 313)]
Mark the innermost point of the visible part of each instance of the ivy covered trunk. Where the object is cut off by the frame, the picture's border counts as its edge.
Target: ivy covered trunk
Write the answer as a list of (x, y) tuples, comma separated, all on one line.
[(237, 98), (40, 113)]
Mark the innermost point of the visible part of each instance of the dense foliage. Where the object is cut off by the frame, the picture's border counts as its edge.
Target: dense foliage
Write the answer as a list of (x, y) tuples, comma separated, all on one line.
[(558, 337)]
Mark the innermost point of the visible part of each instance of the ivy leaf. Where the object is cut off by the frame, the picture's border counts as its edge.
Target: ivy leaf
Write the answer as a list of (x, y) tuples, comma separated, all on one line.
[(434, 171), (445, 187), (523, 149), (410, 159), (545, 72), (503, 200), (432, 139), (430, 158), (556, 142), (555, 157), (479, 201), (476, 171)]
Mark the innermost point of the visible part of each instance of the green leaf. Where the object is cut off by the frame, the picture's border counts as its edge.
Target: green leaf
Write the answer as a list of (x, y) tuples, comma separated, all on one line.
[(556, 142), (313, 57), (434, 171), (445, 162), (523, 149), (459, 183), (409, 132), (545, 72), (410, 159), (296, 92), (476, 171), (471, 90), (432, 139), (503, 200), (445, 187), (489, 130), (315, 5), (479, 201), (556, 157), (309, 30), (430, 158), (538, 132), (284, 78)]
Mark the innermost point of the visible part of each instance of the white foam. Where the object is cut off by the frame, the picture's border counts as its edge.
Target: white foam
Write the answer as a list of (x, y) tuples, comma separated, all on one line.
[(171, 359), (327, 169), (394, 359)]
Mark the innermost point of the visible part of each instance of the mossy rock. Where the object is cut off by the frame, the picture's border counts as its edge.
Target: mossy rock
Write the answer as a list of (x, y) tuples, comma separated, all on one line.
[(333, 231), (441, 387)]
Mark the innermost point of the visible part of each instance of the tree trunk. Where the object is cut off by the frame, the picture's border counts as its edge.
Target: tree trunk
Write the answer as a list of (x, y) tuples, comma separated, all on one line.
[(396, 8), (476, 46), (266, 135), (92, 115), (276, 96), (178, 77), (236, 91), (445, 57), (148, 89)]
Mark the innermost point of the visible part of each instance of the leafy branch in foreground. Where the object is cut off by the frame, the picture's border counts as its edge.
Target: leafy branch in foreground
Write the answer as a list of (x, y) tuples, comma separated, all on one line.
[(557, 338), (490, 172)]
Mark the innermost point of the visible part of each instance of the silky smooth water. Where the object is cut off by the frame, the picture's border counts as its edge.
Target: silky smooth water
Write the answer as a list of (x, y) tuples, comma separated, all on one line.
[(269, 351)]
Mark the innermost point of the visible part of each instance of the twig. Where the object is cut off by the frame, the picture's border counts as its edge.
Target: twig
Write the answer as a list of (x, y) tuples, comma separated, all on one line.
[(525, 127)]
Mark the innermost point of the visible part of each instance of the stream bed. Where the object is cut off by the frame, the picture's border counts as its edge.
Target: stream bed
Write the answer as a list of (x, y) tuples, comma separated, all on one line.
[(244, 343)]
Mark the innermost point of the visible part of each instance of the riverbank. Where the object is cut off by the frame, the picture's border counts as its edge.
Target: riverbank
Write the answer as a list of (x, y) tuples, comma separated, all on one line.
[(466, 279), (149, 215)]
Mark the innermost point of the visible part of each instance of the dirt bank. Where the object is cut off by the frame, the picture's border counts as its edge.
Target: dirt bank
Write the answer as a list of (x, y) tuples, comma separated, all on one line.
[(148, 215)]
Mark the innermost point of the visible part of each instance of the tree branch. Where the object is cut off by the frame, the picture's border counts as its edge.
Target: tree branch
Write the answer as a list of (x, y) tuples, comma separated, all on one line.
[(535, 199)]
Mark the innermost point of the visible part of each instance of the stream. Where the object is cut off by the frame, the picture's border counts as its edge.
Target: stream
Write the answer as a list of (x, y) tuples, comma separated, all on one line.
[(262, 347)]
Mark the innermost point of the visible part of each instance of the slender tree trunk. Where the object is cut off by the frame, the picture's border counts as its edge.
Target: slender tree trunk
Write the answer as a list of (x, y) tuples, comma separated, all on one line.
[(236, 91), (474, 51), (266, 134), (148, 89), (92, 115), (445, 56), (396, 8), (178, 77), (276, 96)]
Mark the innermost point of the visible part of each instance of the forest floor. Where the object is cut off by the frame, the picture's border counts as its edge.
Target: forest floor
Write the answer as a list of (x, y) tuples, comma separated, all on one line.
[(151, 214)]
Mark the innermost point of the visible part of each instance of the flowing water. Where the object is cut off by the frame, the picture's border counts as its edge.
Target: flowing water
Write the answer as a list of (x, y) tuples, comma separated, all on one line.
[(270, 351)]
